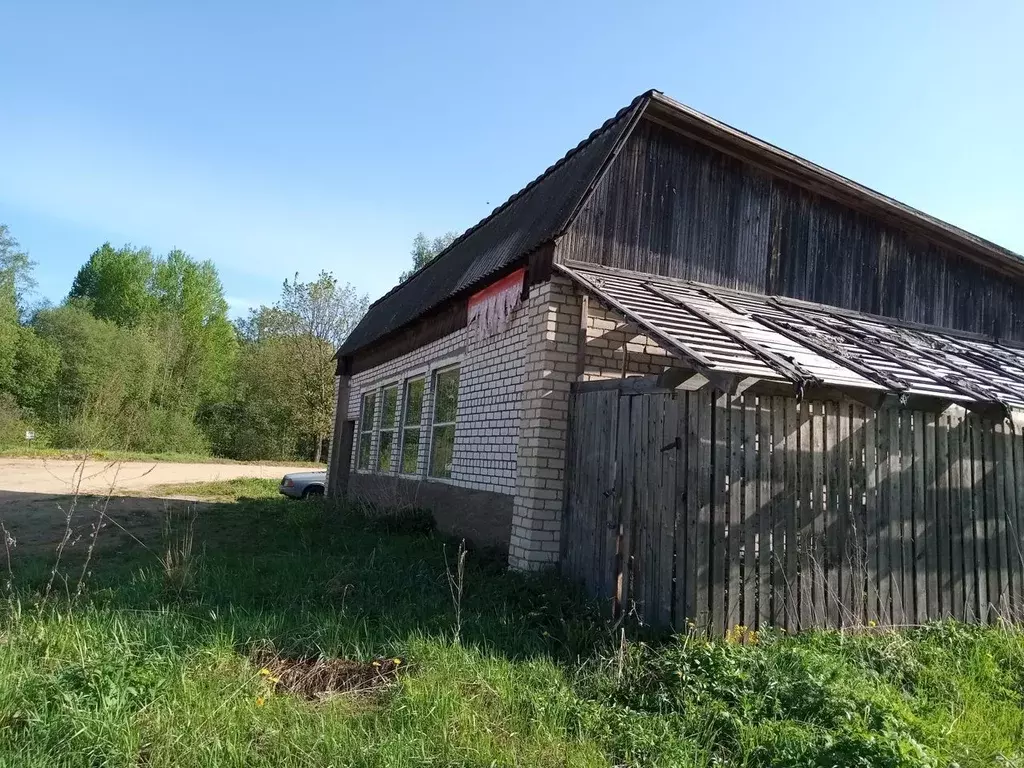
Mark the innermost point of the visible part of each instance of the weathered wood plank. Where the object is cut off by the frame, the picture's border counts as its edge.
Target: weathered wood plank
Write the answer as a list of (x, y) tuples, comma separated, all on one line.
[(992, 570), (611, 497), (642, 504), (844, 521), (978, 518), (1016, 551), (884, 513), (683, 582), (719, 512), (779, 512), (666, 530), (626, 485), (856, 544), (791, 483), (919, 543), (833, 521), (751, 510), (819, 514), (906, 515), (766, 504), (872, 541), (734, 614), (959, 500), (899, 616), (999, 515), (806, 518), (943, 562), (705, 453)]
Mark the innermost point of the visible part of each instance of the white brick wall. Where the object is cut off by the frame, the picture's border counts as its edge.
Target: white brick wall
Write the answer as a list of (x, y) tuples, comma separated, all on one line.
[(607, 332), (490, 387)]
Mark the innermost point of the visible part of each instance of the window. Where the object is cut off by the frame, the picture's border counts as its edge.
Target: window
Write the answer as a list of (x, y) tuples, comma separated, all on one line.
[(446, 404), (366, 430), (388, 427), (411, 425)]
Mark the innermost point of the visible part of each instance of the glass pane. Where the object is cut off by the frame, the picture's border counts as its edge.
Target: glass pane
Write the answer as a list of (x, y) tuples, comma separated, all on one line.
[(387, 441), (389, 408), (411, 450), (446, 396), (441, 450), (364, 450), (366, 423), (414, 402)]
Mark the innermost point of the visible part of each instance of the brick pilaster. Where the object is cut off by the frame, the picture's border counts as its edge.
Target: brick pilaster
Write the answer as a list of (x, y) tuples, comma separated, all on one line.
[(549, 368)]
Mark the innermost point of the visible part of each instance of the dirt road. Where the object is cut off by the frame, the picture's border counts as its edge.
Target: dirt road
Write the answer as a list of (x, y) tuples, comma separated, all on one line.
[(36, 496), (59, 476)]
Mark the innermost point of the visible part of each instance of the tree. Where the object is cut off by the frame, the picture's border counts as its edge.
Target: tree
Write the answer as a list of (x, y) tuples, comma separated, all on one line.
[(425, 251), (301, 333), (114, 284), (15, 268), (15, 283)]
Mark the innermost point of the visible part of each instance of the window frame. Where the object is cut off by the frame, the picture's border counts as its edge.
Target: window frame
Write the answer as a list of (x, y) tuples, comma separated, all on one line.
[(365, 430), (392, 430), (435, 374), (420, 426)]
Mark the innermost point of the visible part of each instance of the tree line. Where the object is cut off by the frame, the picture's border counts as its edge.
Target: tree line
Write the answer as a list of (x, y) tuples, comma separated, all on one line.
[(142, 356)]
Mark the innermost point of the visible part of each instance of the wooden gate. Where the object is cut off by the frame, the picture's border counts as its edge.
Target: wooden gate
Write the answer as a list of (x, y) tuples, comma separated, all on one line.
[(758, 511)]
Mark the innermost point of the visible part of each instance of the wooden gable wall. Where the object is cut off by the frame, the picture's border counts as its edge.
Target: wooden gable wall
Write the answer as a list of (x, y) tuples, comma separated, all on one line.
[(672, 206)]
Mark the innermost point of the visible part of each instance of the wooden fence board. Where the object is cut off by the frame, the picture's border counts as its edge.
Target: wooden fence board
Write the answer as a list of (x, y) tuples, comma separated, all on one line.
[(818, 554), (845, 517), (765, 501), (780, 511), (856, 544), (833, 603), (959, 500), (806, 514), (978, 511), (682, 580), (886, 495), (628, 485), (733, 613), (670, 450), (998, 516), (791, 488), (768, 511), (719, 512), (871, 537), (751, 510), (943, 561), (1015, 473), (919, 542)]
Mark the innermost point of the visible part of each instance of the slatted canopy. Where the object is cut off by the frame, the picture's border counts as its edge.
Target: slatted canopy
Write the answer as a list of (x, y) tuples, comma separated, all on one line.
[(725, 333)]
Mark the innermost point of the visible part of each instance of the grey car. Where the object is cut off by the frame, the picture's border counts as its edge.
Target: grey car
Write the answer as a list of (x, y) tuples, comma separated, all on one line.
[(303, 485)]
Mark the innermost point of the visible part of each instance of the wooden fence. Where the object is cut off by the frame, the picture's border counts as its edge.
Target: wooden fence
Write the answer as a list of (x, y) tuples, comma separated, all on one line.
[(762, 511)]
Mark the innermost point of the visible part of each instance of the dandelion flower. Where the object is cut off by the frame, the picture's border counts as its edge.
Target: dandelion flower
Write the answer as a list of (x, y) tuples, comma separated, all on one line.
[(265, 672), (260, 701), (396, 661)]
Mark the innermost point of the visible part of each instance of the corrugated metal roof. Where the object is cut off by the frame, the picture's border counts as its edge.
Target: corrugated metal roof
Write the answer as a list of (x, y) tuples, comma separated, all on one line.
[(728, 332), (532, 217)]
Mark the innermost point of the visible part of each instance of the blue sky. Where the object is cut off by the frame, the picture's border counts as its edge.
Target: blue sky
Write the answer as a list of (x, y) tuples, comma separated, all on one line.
[(282, 137)]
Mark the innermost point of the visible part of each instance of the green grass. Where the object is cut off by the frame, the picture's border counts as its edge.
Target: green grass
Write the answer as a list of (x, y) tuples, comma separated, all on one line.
[(30, 452), (220, 490), (137, 673)]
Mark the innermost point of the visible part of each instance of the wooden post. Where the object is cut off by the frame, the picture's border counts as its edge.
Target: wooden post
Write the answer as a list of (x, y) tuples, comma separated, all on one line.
[(581, 339)]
